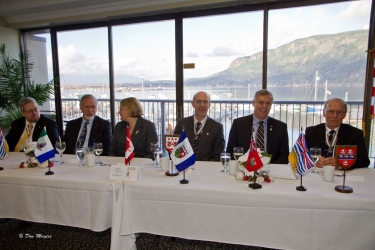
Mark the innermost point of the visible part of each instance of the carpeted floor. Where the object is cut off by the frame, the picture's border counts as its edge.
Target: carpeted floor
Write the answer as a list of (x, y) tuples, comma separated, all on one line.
[(15, 234)]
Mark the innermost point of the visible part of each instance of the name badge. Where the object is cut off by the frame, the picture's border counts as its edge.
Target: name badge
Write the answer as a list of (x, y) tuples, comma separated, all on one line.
[(123, 172)]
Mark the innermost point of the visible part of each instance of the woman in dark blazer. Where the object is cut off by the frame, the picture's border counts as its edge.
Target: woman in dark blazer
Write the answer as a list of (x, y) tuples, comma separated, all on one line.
[(142, 131)]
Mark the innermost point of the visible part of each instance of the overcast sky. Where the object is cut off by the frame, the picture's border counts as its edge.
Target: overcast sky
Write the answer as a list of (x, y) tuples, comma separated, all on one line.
[(212, 43)]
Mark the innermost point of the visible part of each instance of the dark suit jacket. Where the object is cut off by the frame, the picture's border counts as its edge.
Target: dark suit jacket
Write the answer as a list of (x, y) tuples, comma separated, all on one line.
[(143, 134), (211, 143), (348, 135), (18, 126), (101, 131), (277, 137)]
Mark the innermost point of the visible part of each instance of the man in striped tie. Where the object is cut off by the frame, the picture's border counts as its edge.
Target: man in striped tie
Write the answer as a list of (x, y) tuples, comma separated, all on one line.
[(333, 132), (29, 127), (205, 135), (270, 135)]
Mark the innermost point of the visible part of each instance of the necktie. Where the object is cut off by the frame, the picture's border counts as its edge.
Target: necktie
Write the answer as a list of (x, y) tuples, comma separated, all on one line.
[(25, 137), (329, 152), (260, 136), (197, 136), (82, 136)]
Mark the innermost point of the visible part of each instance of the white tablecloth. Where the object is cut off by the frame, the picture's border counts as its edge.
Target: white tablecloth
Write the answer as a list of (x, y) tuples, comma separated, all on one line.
[(216, 207), (74, 196)]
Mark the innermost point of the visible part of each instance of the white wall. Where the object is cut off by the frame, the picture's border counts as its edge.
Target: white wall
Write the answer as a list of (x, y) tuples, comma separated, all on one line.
[(11, 39)]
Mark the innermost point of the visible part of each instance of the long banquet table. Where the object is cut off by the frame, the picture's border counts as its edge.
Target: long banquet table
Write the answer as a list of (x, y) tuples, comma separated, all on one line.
[(75, 196), (216, 207)]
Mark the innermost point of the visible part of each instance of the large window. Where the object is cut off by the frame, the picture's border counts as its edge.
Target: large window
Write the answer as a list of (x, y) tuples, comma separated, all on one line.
[(83, 62)]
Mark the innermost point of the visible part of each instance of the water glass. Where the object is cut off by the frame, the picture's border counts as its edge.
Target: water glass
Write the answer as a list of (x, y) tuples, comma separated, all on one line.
[(157, 155), (154, 146), (98, 150), (315, 154), (237, 152), (224, 158), (60, 147), (81, 153)]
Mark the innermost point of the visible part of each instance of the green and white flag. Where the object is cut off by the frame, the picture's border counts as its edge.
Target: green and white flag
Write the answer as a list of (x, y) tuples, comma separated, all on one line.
[(44, 149)]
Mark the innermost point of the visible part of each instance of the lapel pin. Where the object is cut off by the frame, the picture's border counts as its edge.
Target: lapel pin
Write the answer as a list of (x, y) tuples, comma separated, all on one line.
[(208, 133), (137, 132)]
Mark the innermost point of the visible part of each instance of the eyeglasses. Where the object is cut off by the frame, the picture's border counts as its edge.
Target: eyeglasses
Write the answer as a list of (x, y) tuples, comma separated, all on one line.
[(89, 107), (264, 103), (199, 102), (32, 110), (338, 112)]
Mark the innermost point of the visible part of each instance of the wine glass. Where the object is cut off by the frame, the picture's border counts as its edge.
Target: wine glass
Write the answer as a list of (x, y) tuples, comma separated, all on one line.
[(315, 154), (60, 147), (237, 153), (80, 153), (25, 145), (98, 150), (155, 146), (224, 158)]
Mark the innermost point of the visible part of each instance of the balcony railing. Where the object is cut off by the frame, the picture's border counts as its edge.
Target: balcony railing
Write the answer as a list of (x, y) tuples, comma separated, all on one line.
[(296, 114)]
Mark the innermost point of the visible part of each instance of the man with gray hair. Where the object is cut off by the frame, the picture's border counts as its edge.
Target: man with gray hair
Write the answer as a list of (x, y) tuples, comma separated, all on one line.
[(89, 128), (269, 134), (333, 132), (29, 127), (205, 134)]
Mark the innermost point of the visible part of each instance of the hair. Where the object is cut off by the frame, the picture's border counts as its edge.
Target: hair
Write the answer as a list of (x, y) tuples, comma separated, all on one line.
[(86, 96), (133, 106), (336, 99), (263, 92), (195, 95), (24, 101)]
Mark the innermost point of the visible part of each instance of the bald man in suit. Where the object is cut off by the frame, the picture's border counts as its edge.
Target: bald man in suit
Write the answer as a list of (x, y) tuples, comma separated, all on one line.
[(205, 134)]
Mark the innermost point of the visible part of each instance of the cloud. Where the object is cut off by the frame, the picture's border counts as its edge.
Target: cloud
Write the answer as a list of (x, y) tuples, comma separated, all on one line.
[(357, 10), (223, 51), (192, 54)]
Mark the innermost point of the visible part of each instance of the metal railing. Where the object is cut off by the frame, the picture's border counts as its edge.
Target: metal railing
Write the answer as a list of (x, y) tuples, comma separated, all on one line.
[(296, 114)]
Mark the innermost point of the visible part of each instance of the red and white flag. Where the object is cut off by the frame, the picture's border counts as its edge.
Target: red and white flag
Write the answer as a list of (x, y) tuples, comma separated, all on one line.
[(254, 162), (129, 148)]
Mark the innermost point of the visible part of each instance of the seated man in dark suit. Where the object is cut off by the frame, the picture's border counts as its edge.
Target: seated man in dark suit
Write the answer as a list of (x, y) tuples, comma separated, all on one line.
[(205, 135), (84, 132), (327, 135), (29, 127), (270, 135)]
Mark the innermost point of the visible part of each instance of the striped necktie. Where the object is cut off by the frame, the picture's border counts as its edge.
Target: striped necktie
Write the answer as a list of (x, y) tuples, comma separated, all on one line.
[(82, 136), (260, 136), (197, 136)]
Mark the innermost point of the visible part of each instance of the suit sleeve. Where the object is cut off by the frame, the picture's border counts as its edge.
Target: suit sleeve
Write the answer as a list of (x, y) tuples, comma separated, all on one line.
[(106, 137), (283, 147), (232, 139), (219, 143), (362, 154), (52, 132), (151, 136), (113, 148)]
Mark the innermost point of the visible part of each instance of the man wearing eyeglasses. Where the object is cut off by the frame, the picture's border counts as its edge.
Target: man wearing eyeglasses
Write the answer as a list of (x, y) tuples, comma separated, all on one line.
[(327, 135), (29, 127), (269, 134), (205, 134), (89, 128)]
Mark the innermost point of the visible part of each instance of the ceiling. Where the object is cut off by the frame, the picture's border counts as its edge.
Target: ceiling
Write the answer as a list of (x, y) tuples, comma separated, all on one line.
[(20, 14)]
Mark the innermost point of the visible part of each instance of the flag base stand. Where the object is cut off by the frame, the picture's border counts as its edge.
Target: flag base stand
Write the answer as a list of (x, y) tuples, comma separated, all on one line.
[(49, 172), (1, 168), (184, 181), (301, 188), (171, 173), (255, 185), (343, 189)]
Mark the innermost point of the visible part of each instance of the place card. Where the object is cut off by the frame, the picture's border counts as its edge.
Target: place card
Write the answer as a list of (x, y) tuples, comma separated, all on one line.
[(123, 172)]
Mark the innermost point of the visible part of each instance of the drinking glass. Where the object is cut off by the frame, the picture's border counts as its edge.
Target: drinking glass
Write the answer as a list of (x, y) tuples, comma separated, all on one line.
[(155, 146), (157, 154), (25, 145), (224, 158), (98, 150), (237, 153), (315, 154), (60, 147), (80, 153)]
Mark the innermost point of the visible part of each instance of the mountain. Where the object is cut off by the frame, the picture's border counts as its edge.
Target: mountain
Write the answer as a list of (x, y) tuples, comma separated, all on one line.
[(339, 58)]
